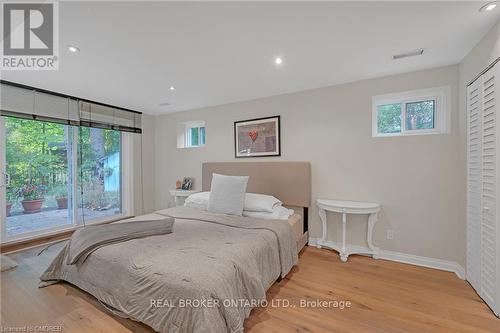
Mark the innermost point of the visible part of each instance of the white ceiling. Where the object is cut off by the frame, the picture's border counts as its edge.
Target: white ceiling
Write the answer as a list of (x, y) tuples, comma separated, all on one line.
[(218, 53)]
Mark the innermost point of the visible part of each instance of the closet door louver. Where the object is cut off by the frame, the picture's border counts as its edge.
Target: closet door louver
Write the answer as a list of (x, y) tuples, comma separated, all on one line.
[(474, 190), (489, 221), (483, 187)]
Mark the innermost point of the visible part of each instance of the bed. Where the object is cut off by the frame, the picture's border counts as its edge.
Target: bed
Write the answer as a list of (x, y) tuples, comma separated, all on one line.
[(211, 271)]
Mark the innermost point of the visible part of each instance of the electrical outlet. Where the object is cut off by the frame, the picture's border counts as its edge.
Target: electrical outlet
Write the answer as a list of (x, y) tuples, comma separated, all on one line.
[(390, 234)]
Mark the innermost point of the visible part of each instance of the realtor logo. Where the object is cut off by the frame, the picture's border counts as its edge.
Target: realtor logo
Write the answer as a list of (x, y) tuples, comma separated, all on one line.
[(30, 35)]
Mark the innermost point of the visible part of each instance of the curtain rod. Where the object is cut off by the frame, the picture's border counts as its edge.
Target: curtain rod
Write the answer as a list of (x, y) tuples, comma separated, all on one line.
[(19, 85), (484, 71)]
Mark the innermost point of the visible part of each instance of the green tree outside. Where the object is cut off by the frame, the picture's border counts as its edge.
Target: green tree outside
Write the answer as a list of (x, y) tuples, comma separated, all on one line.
[(37, 153)]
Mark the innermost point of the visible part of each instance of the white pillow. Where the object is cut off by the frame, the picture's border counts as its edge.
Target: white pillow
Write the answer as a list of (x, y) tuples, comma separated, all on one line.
[(278, 213), (198, 200), (227, 195), (254, 202), (260, 202)]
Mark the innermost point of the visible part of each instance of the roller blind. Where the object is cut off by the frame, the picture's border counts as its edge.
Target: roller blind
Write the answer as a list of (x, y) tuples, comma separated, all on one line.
[(31, 103), (103, 116)]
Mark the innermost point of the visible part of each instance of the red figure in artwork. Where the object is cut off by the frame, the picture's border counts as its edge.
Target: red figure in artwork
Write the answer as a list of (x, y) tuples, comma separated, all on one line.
[(253, 135)]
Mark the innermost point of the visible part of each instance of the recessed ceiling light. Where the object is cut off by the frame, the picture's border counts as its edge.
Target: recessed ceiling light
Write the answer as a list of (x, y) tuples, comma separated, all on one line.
[(408, 54), (164, 104), (489, 6), (73, 48), (278, 61), (172, 88)]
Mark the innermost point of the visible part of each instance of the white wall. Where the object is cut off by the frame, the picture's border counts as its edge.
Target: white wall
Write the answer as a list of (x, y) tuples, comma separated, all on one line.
[(482, 55), (417, 179)]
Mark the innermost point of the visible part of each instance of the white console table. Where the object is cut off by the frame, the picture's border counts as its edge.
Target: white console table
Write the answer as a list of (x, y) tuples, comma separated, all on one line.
[(348, 207), (178, 194)]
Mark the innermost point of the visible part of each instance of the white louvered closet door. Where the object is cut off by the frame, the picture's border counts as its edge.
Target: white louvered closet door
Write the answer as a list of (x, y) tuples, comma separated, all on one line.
[(490, 169), (483, 187), (474, 188)]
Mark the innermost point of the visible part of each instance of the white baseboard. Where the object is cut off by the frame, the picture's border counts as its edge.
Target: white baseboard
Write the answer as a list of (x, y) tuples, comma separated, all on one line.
[(444, 265)]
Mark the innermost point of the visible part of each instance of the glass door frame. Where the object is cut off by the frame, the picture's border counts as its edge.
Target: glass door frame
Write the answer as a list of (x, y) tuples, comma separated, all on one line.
[(3, 183), (126, 179)]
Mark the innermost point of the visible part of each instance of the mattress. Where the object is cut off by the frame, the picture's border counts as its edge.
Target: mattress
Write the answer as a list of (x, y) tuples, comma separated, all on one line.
[(297, 224)]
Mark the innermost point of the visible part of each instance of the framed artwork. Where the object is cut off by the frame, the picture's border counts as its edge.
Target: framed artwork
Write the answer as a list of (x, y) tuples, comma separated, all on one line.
[(257, 137), (187, 184)]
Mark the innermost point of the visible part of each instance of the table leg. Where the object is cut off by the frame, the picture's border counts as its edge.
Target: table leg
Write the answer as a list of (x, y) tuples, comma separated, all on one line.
[(176, 200), (372, 219), (322, 216), (343, 254)]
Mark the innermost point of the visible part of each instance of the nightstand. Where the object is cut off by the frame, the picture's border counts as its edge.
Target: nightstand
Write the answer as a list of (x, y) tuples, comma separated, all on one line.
[(181, 195)]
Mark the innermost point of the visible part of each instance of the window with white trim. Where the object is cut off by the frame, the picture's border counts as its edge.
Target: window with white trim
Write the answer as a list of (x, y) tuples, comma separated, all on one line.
[(191, 134), (195, 136), (413, 112)]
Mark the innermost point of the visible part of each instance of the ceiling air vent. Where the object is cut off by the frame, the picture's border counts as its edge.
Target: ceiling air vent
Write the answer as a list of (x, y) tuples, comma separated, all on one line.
[(408, 54)]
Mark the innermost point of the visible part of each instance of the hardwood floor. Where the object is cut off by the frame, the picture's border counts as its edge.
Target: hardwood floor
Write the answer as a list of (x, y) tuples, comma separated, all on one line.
[(385, 297)]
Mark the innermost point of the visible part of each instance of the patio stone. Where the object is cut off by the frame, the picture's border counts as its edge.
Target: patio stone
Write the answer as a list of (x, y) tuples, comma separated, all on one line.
[(19, 223)]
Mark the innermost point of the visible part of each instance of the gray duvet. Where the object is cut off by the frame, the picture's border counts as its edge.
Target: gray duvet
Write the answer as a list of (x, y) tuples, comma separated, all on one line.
[(206, 276), (87, 240)]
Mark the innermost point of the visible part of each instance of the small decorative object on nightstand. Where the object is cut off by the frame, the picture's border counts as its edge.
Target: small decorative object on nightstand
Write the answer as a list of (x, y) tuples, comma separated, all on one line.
[(180, 195), (348, 207), (187, 184)]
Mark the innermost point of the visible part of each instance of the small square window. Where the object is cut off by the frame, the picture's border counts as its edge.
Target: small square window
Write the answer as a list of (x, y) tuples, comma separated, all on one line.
[(195, 136), (191, 134), (420, 115)]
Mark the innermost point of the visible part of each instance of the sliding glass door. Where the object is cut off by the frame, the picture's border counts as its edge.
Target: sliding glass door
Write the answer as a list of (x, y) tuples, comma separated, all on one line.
[(56, 176)]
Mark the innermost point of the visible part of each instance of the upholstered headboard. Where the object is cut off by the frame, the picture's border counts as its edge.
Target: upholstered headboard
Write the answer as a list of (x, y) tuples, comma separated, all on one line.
[(288, 181)]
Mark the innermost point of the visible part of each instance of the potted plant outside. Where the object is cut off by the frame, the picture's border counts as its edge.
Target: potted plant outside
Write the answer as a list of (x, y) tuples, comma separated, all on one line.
[(10, 197), (61, 195), (32, 198)]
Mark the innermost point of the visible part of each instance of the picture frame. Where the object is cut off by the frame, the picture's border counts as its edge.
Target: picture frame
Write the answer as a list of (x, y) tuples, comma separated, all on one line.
[(260, 137), (187, 184)]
